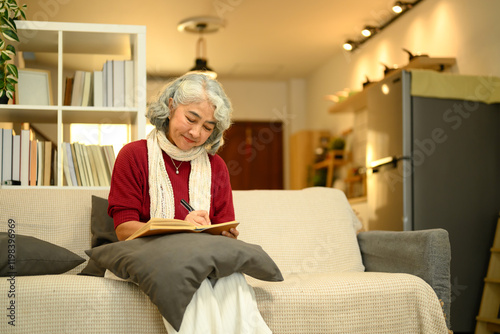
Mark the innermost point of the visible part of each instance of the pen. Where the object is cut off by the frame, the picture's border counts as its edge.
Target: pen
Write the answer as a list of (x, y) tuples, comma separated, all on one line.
[(186, 205)]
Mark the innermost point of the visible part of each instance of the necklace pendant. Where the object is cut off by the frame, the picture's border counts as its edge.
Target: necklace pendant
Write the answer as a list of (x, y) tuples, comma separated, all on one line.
[(176, 167)]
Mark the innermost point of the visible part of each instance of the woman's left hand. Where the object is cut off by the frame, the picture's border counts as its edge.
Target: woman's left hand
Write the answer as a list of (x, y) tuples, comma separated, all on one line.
[(232, 233)]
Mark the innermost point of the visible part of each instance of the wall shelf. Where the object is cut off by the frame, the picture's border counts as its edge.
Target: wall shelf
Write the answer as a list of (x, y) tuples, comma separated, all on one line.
[(358, 101)]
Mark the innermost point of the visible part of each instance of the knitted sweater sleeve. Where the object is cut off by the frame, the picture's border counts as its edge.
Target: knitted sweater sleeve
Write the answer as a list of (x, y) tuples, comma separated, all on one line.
[(222, 209), (129, 185)]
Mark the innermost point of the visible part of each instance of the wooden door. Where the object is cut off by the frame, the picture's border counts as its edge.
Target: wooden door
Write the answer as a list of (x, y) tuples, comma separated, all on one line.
[(253, 152)]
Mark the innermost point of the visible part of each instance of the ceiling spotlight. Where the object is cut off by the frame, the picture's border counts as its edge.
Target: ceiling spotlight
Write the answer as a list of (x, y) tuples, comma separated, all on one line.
[(368, 31), (201, 25), (401, 6), (349, 45)]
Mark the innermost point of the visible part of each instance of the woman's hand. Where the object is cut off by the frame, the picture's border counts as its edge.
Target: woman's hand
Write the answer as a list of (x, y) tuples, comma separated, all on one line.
[(198, 217), (232, 233)]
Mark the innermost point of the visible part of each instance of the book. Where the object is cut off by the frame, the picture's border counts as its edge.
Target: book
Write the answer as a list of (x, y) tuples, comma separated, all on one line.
[(73, 166), (107, 82), (167, 226), (1, 156), (47, 163), (66, 161), (33, 162), (68, 91), (91, 166), (7, 155), (25, 157), (118, 83), (39, 163), (87, 96), (81, 164), (16, 158), (78, 86), (129, 84), (98, 89), (110, 158), (101, 168)]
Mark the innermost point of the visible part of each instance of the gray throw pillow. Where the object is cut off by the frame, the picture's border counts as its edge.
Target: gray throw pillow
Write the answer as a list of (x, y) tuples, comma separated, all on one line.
[(103, 232), (22, 255), (170, 268)]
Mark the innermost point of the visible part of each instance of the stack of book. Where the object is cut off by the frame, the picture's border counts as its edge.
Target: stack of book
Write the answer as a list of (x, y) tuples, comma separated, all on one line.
[(25, 160), (113, 86), (87, 165)]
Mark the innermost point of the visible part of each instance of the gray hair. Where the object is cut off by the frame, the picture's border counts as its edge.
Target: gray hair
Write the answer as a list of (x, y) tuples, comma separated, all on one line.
[(188, 89)]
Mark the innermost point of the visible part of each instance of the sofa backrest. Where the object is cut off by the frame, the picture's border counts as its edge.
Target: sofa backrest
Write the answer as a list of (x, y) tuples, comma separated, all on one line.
[(58, 215), (304, 231)]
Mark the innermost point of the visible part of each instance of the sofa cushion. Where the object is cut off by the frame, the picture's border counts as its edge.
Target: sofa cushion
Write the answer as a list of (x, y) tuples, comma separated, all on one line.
[(103, 232), (22, 255), (170, 268)]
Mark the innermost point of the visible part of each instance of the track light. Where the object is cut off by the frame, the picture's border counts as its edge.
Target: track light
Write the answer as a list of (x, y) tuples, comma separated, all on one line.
[(401, 6), (369, 30), (349, 45)]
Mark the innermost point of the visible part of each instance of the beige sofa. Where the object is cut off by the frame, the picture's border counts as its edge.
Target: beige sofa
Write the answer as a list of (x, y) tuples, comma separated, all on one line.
[(335, 280)]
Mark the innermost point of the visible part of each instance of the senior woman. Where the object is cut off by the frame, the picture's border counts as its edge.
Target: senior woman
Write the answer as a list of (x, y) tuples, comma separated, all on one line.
[(178, 161)]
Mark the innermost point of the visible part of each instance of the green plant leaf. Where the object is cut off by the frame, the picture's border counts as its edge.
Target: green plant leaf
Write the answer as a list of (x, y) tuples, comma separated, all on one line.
[(12, 69), (10, 87), (2, 44), (10, 48), (6, 24), (5, 56), (10, 94), (2, 93), (2, 84), (10, 35), (11, 80)]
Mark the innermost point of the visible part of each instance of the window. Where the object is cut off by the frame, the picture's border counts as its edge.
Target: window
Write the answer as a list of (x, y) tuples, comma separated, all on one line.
[(116, 135), (103, 134)]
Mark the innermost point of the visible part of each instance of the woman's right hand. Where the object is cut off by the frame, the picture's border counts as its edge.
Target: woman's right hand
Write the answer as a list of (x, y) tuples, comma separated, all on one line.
[(198, 217)]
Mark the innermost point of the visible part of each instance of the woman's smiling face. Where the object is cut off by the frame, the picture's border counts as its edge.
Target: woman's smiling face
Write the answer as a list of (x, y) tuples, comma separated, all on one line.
[(190, 125)]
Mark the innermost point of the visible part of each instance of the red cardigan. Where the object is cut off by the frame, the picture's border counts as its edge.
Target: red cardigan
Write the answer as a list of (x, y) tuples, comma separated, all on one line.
[(129, 193)]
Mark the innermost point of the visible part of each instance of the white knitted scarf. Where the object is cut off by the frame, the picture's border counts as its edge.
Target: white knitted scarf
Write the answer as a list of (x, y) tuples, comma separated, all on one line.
[(160, 187)]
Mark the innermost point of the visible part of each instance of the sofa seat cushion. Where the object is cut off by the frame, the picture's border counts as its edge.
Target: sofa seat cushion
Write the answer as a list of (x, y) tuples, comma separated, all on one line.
[(51, 304), (350, 303)]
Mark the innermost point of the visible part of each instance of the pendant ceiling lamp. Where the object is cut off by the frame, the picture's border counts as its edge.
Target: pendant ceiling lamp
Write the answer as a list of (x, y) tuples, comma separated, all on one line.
[(200, 26)]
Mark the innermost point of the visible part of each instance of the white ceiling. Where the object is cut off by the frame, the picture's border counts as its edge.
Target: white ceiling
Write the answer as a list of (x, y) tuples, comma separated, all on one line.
[(263, 39)]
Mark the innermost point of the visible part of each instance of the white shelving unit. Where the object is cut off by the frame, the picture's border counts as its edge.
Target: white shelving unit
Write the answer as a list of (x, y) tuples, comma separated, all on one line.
[(66, 47)]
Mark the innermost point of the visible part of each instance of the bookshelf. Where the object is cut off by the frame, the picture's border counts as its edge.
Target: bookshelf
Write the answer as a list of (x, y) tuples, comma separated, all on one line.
[(63, 48)]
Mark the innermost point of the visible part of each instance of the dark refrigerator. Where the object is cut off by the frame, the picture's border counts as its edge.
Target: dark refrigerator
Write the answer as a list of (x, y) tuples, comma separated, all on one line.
[(435, 163)]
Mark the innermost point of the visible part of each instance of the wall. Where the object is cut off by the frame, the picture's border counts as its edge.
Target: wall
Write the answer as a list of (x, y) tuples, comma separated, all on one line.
[(466, 30)]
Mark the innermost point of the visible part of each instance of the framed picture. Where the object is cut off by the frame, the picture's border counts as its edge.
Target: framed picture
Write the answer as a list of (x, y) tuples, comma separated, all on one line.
[(34, 87)]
